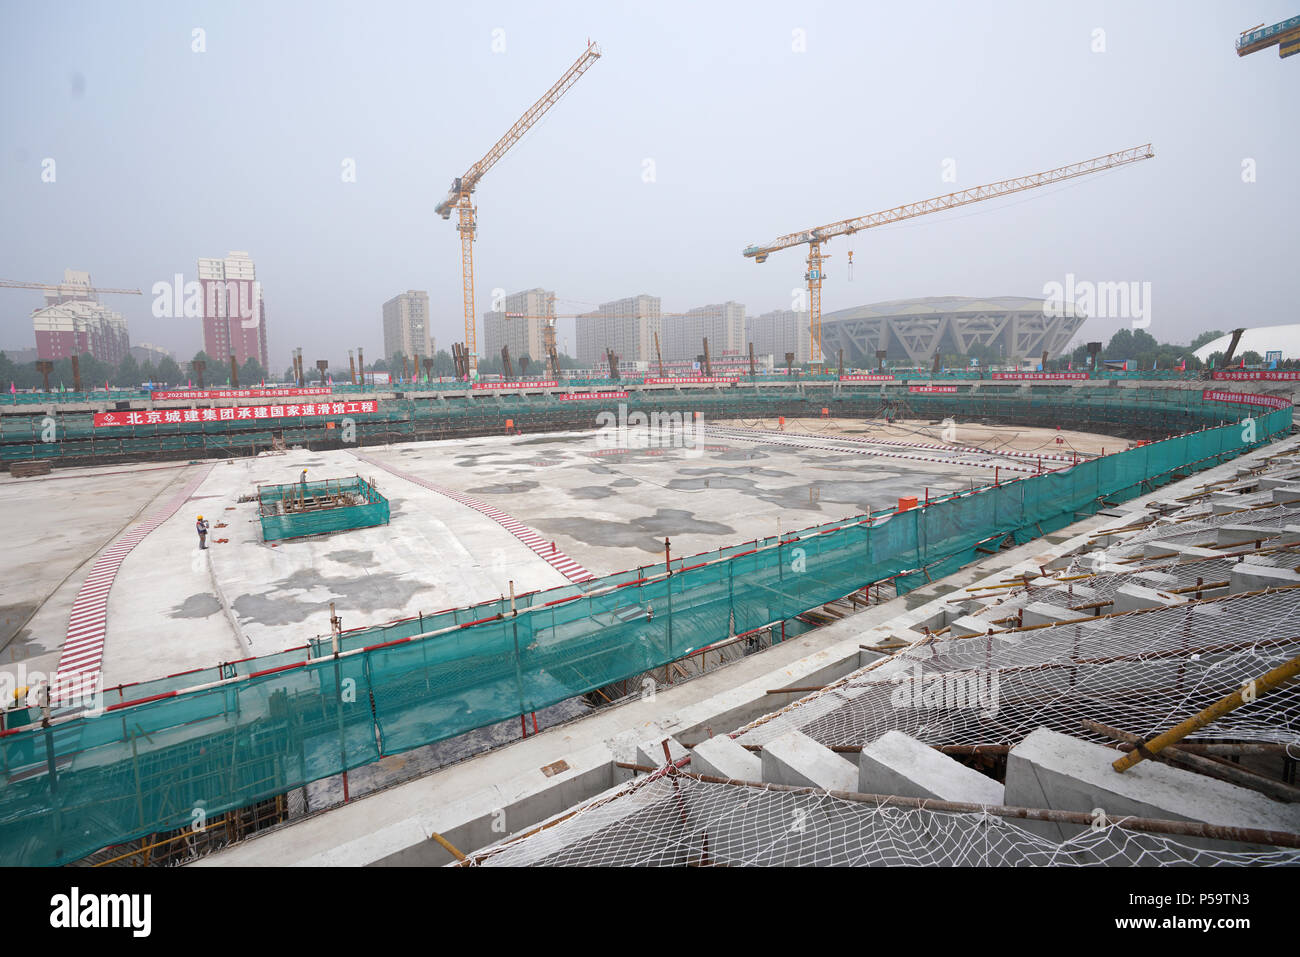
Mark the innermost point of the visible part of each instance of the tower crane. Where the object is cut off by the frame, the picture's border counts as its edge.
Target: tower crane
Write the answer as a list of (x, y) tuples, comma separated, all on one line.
[(57, 286), (1285, 35), (459, 194), (814, 238)]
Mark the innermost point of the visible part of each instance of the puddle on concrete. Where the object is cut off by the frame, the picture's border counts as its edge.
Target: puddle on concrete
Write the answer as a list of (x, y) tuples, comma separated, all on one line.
[(624, 483), (738, 470), (591, 492), (862, 495), (740, 455), (362, 593), (525, 463), (712, 482), (360, 557), (557, 439), (469, 460), (504, 488), (11, 617), (646, 532), (201, 605)]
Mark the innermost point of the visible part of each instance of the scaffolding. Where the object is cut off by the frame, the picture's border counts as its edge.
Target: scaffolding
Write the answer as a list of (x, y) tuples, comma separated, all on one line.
[(312, 508)]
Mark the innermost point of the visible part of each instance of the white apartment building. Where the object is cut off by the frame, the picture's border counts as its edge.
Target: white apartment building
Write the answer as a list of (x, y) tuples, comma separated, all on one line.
[(779, 332), (520, 325), (723, 324), (628, 326), (406, 326)]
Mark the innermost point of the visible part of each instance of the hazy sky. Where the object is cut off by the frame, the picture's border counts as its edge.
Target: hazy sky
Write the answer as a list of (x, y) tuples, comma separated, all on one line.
[(701, 129)]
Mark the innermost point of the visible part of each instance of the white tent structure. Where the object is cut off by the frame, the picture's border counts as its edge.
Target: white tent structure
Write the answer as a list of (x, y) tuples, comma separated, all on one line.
[(1262, 339)]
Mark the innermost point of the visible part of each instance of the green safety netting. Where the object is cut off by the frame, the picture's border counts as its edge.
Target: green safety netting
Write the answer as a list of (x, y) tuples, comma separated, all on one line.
[(1148, 411), (311, 508), (271, 724)]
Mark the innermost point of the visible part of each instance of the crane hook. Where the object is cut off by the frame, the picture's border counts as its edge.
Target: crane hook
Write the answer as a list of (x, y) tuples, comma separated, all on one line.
[(850, 265)]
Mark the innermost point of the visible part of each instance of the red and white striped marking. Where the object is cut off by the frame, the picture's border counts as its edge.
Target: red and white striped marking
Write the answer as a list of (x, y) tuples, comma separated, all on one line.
[(779, 438), (1049, 456), (557, 559), (79, 671)]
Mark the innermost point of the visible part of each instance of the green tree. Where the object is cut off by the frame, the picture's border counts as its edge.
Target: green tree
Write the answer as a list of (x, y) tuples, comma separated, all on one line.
[(128, 373), (147, 372), (8, 372), (1252, 358), (251, 372), (168, 371), (1120, 345)]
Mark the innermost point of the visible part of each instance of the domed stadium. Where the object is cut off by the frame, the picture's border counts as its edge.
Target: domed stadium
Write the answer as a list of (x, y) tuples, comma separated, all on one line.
[(1262, 339), (916, 329)]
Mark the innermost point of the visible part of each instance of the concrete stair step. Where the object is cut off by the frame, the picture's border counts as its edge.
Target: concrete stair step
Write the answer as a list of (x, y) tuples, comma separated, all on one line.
[(896, 763), (797, 760)]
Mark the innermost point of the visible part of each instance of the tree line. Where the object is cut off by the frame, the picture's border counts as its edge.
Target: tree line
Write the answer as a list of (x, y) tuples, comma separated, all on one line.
[(127, 374)]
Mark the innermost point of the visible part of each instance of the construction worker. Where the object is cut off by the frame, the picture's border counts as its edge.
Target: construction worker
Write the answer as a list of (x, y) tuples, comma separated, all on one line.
[(303, 477), (201, 526)]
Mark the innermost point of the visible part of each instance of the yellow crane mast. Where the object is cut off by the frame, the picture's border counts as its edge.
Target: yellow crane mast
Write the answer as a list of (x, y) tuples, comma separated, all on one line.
[(815, 237), (459, 194)]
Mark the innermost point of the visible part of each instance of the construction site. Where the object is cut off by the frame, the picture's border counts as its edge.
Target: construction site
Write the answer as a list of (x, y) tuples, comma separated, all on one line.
[(572, 629), (852, 614)]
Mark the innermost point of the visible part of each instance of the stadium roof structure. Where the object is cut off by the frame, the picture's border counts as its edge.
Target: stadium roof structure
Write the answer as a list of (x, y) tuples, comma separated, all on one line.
[(1261, 339), (915, 329)]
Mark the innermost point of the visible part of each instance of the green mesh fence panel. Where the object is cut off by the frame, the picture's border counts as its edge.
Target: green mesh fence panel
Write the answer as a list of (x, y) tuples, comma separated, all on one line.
[(226, 737), (311, 508)]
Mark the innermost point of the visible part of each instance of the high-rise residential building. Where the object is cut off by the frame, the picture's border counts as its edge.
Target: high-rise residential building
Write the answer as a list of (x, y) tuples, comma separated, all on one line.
[(779, 332), (234, 315), (406, 326), (520, 324), (74, 322), (148, 352), (628, 326), (722, 323)]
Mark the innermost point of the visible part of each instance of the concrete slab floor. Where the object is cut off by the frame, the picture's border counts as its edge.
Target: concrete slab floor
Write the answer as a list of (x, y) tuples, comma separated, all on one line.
[(174, 608), (610, 508), (364, 832)]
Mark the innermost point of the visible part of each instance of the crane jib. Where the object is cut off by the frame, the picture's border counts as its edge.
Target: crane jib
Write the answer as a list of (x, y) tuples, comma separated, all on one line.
[(458, 197), (814, 237), (963, 197)]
